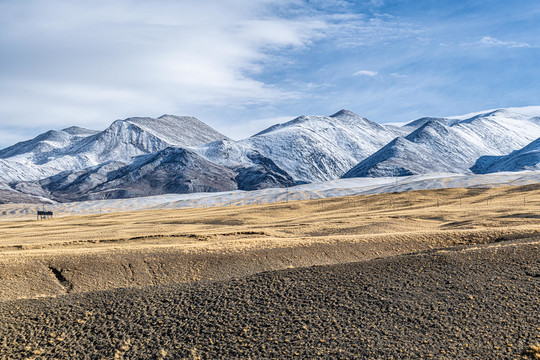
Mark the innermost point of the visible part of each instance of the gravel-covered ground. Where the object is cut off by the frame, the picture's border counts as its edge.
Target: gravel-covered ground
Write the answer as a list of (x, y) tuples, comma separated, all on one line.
[(479, 302)]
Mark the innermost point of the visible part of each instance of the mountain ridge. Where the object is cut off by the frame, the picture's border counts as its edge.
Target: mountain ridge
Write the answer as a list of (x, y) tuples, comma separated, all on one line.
[(451, 146), (121, 141), (141, 156)]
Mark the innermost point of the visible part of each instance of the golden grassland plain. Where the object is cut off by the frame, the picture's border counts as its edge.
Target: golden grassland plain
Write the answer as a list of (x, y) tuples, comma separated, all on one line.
[(140, 248)]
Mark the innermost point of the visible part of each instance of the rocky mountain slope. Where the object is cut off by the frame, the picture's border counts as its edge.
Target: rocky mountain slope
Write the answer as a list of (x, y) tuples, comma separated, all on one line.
[(172, 170)]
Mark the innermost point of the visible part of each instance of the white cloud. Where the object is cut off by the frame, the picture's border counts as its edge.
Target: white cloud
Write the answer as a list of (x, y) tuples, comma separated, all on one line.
[(398, 75), (74, 61), (365, 73), (491, 41), (87, 63)]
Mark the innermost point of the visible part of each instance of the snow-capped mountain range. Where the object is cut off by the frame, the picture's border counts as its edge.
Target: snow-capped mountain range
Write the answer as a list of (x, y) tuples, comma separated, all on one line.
[(171, 154), (450, 145), (76, 148)]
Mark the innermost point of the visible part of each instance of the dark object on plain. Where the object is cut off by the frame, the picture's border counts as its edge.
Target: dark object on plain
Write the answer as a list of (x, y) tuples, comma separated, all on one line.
[(42, 215)]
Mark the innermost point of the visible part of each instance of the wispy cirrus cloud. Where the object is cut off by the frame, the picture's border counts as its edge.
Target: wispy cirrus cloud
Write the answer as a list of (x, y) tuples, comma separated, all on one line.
[(491, 41), (360, 30), (68, 61), (90, 63), (369, 73)]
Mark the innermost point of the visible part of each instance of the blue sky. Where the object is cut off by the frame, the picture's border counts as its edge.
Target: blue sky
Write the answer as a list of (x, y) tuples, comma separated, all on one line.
[(243, 65)]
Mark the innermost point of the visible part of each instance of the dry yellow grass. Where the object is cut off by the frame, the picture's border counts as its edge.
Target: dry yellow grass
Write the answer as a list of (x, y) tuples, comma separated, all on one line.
[(161, 246)]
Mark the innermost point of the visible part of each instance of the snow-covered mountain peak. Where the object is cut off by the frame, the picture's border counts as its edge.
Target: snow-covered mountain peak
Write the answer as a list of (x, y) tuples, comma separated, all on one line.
[(498, 115), (119, 129), (179, 130), (348, 117), (345, 114), (296, 122), (502, 112), (430, 129), (177, 118), (318, 148), (495, 115), (79, 131), (452, 145), (419, 122), (170, 116), (344, 119)]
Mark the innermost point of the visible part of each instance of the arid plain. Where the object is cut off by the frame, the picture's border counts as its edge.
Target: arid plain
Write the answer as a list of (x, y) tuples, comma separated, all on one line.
[(98, 252), (449, 273)]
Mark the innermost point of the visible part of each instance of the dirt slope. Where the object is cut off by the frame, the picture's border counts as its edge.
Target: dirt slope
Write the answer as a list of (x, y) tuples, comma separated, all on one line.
[(472, 302)]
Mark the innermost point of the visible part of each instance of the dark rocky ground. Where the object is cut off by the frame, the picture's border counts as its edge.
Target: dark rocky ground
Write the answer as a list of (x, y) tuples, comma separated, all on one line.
[(464, 303)]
